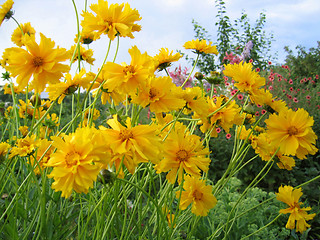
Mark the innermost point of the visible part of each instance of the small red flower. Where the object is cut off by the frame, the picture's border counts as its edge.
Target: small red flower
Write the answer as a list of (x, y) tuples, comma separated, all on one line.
[(218, 130), (228, 135)]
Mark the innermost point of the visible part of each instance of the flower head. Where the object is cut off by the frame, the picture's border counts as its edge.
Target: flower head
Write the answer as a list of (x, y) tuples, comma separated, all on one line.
[(85, 55), (198, 194), (247, 80), (114, 19), (77, 161), (183, 152), (201, 46), (298, 216), (5, 10), (40, 61), (292, 132), (165, 58), (19, 35)]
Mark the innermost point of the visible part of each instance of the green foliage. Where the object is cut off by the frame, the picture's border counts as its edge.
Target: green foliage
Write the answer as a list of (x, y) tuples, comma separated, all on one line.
[(304, 63), (249, 222), (233, 36)]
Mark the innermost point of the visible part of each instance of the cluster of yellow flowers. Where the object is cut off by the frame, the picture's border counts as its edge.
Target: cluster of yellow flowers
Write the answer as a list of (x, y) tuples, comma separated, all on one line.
[(77, 158)]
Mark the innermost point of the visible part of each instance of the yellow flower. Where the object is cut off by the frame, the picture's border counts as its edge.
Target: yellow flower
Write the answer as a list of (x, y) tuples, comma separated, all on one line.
[(292, 132), (246, 79), (18, 36), (111, 20), (85, 55), (160, 94), (128, 77), (198, 194), (291, 197), (24, 146), (24, 130), (40, 61), (106, 95), (195, 100), (16, 89), (183, 152), (5, 11), (77, 161), (137, 144), (201, 46), (62, 89), (165, 58), (225, 117), (41, 157), (85, 38), (4, 147)]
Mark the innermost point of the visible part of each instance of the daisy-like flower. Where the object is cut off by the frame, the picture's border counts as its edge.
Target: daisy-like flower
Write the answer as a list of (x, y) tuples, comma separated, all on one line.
[(18, 36), (164, 58), (42, 62), (85, 38), (77, 161), (298, 216), (85, 54), (201, 46), (292, 132), (24, 146), (133, 143), (198, 194), (114, 19), (195, 100), (60, 90), (225, 117), (160, 94), (245, 77), (5, 11), (128, 77), (183, 152)]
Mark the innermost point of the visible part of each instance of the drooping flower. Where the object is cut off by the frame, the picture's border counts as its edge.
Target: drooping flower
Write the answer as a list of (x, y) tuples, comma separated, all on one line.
[(18, 35), (5, 11), (42, 62), (114, 19), (85, 54), (128, 77), (195, 100), (292, 132), (198, 194), (77, 161), (160, 94), (298, 216), (201, 46), (183, 152), (62, 89), (246, 79), (16, 89), (164, 58)]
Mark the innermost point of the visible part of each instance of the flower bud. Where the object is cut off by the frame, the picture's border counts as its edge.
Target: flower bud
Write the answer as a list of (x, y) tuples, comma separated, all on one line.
[(35, 100), (198, 75)]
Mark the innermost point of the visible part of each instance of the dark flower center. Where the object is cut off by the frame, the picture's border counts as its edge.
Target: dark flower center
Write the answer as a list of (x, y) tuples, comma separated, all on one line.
[(182, 155), (197, 195), (292, 131), (37, 61)]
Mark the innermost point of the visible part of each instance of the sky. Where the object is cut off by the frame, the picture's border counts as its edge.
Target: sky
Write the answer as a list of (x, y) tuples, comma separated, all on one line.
[(168, 23)]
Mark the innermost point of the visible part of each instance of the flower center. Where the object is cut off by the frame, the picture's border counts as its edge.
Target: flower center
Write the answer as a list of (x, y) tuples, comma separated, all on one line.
[(182, 155), (292, 131), (72, 159), (125, 134), (197, 195), (153, 93), (128, 70), (37, 61)]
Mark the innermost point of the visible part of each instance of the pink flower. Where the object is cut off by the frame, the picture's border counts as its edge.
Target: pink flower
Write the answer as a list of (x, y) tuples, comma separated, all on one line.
[(218, 130), (263, 111), (240, 96), (291, 89), (295, 100), (290, 81), (257, 113), (228, 135), (308, 97)]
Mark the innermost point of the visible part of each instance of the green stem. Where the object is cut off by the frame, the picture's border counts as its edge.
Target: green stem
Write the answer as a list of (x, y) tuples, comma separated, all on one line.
[(194, 65)]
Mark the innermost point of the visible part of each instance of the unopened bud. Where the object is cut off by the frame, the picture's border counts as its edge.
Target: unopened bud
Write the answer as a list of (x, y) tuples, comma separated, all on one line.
[(198, 75), (35, 100)]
